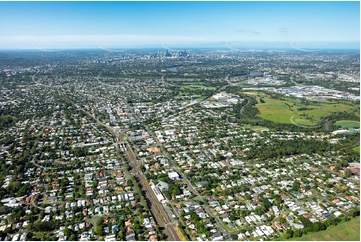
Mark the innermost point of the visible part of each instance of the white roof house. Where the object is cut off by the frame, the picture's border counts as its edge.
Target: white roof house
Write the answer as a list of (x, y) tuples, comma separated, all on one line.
[(173, 175)]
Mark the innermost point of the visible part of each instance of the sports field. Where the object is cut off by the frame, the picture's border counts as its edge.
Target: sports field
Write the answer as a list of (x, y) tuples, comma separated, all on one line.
[(292, 110), (348, 124), (347, 231)]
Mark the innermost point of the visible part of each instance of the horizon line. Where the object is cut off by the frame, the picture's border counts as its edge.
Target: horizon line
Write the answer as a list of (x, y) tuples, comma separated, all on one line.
[(177, 48)]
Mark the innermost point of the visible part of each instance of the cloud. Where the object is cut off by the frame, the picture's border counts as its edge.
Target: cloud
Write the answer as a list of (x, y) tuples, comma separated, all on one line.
[(94, 41), (247, 31), (283, 30)]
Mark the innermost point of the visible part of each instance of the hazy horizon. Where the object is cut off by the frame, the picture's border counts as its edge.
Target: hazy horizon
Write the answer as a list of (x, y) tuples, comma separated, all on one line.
[(174, 25)]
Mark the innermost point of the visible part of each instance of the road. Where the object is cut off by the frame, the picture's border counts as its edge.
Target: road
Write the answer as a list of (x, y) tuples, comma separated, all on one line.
[(357, 143), (41, 165), (189, 185), (291, 79), (156, 208), (326, 125), (38, 83), (33, 77), (241, 110)]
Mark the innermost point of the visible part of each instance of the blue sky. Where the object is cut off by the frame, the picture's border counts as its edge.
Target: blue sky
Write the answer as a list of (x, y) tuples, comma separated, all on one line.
[(48, 25)]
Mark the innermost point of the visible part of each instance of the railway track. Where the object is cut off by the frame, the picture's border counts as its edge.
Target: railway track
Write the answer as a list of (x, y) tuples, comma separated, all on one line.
[(157, 210)]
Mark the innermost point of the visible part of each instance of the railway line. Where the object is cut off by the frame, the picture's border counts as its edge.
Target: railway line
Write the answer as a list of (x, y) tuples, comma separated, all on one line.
[(156, 208), (169, 229)]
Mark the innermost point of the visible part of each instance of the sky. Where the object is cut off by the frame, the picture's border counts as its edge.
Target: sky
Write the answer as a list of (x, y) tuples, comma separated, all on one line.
[(235, 25)]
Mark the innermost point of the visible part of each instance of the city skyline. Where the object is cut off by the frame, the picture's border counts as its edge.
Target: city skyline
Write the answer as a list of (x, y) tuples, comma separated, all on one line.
[(234, 25)]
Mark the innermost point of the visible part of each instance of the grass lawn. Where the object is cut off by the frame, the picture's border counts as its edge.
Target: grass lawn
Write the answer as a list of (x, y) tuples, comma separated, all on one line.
[(40, 235), (282, 110), (180, 234), (356, 149), (258, 128), (347, 231), (348, 124), (229, 229)]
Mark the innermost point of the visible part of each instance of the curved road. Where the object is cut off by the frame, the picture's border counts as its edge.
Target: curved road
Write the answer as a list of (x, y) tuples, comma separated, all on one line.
[(241, 110), (355, 144)]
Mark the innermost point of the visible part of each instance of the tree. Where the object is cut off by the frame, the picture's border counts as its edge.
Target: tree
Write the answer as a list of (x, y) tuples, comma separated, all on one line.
[(120, 235), (72, 237), (44, 226), (297, 233), (4, 209), (315, 227), (29, 226), (234, 237), (288, 234), (322, 226), (296, 185), (277, 199), (99, 230), (68, 232), (348, 173), (176, 190), (259, 211), (130, 183), (7, 230), (282, 219), (266, 203), (355, 212)]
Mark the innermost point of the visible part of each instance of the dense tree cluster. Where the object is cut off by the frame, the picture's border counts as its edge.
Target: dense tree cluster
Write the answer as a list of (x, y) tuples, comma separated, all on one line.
[(6, 121), (289, 147)]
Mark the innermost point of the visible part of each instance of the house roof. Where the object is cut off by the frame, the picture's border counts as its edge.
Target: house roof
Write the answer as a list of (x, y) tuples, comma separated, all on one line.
[(154, 150)]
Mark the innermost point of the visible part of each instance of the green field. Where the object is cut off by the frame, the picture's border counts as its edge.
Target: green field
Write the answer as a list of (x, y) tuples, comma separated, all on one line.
[(348, 124), (285, 110), (347, 231), (259, 128), (356, 149)]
